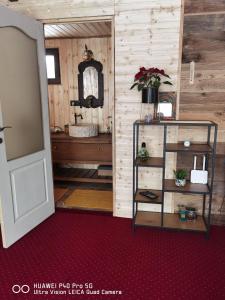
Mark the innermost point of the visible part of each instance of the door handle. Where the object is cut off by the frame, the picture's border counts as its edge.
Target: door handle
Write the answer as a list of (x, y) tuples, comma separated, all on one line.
[(1, 140), (5, 127)]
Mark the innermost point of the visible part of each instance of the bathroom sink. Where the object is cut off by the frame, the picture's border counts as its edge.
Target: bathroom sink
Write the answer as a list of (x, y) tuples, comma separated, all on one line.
[(83, 130)]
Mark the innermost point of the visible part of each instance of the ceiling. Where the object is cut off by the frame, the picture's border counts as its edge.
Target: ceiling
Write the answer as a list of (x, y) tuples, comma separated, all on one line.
[(78, 30)]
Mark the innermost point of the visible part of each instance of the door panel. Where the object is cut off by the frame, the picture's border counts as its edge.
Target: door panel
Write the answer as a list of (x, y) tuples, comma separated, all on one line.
[(26, 185), (21, 85), (29, 189)]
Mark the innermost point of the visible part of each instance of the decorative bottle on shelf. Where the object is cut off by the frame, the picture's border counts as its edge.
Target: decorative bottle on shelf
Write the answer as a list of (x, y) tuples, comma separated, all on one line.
[(143, 152), (182, 213), (191, 213)]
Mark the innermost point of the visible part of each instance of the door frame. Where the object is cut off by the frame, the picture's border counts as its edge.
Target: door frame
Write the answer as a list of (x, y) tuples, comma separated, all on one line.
[(100, 19)]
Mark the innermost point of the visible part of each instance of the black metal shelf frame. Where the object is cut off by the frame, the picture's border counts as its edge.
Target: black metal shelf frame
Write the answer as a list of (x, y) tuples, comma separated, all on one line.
[(210, 161)]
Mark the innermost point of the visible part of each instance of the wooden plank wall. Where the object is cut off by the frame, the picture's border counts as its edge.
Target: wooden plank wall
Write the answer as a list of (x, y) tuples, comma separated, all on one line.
[(60, 9), (204, 6), (146, 34), (71, 51), (203, 43)]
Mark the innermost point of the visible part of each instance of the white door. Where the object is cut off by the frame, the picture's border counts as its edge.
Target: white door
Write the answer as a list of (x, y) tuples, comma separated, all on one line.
[(26, 185)]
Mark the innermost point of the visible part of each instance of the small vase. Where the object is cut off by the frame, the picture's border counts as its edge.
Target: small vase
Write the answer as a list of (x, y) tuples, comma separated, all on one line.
[(180, 182), (150, 95)]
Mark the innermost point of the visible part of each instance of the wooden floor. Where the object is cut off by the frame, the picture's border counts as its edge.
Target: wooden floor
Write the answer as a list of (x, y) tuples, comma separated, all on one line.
[(59, 192), (87, 199)]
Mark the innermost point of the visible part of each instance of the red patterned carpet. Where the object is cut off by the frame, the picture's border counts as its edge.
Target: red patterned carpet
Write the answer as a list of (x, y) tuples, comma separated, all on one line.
[(78, 248)]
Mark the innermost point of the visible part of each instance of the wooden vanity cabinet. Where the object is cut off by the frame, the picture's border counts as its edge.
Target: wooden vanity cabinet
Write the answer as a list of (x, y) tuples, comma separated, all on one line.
[(92, 150)]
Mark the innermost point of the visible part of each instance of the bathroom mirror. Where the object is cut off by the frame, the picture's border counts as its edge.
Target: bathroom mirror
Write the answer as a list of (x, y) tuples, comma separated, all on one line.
[(90, 84)]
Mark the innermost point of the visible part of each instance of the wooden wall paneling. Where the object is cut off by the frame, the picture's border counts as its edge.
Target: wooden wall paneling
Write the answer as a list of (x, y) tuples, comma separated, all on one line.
[(103, 57), (51, 107), (60, 90), (71, 51), (180, 59), (73, 87), (203, 38), (152, 40), (111, 121), (132, 5), (204, 6), (136, 37), (220, 149), (66, 71), (53, 9), (203, 43), (73, 82), (108, 69)]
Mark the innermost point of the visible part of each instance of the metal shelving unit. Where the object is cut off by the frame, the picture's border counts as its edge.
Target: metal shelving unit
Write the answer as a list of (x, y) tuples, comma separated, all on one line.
[(171, 220)]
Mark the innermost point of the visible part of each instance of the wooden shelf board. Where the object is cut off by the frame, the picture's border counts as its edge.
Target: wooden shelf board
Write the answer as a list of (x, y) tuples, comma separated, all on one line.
[(145, 218), (155, 162), (189, 188), (143, 199), (176, 123), (171, 221), (179, 147), (80, 175), (188, 122)]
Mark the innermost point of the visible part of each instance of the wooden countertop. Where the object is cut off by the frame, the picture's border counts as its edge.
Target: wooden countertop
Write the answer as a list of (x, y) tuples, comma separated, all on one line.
[(102, 138)]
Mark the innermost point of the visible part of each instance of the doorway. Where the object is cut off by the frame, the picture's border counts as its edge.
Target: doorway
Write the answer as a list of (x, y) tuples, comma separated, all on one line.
[(83, 175)]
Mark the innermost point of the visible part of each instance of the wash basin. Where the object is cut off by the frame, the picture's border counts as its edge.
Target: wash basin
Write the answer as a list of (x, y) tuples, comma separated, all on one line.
[(83, 130)]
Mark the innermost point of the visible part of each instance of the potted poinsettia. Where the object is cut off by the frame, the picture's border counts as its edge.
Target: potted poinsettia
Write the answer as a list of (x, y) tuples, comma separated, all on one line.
[(148, 81)]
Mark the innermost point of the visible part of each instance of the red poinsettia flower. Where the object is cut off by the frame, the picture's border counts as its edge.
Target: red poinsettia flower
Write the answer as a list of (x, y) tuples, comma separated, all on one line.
[(138, 75), (142, 69), (151, 70), (149, 78)]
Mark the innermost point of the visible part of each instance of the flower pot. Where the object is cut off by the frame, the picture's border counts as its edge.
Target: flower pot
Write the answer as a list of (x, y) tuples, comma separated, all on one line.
[(180, 182), (150, 95)]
